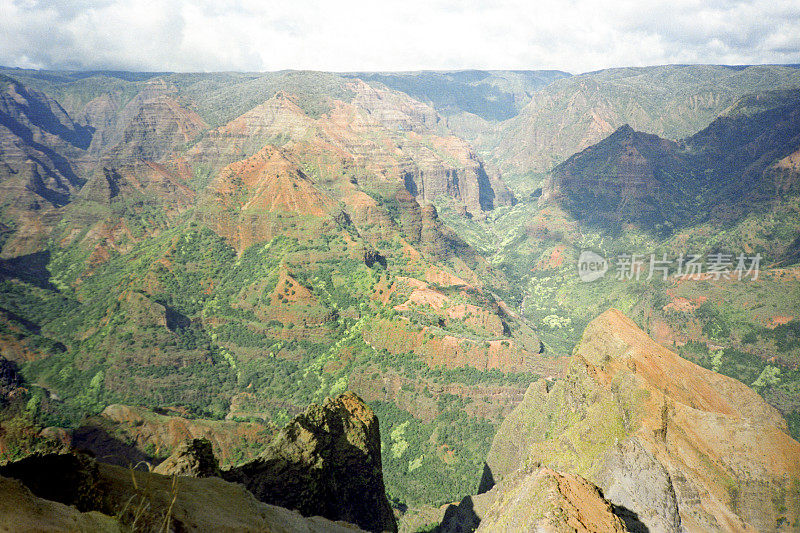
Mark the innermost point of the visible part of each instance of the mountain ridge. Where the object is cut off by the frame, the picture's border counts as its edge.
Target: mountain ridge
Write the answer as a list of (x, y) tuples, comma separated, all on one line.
[(630, 404), (722, 172)]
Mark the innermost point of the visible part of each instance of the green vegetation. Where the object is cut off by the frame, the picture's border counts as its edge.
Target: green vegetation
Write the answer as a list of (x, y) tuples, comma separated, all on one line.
[(747, 329), (728, 317), (182, 320), (432, 462)]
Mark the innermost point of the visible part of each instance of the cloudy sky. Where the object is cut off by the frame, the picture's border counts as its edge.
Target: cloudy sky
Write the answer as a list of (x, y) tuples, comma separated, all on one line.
[(350, 35)]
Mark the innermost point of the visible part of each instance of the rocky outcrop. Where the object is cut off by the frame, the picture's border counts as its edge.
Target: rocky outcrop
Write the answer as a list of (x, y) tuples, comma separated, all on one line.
[(325, 462), (394, 109), (70, 492), (421, 226), (140, 181), (383, 137), (264, 196), (39, 118), (100, 114), (785, 173), (193, 458), (535, 499), (674, 446), (550, 501), (431, 165)]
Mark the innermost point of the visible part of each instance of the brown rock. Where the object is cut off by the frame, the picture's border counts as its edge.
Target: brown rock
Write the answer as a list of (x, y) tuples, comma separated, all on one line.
[(193, 458), (535, 499), (385, 137), (151, 125), (550, 502), (125, 435)]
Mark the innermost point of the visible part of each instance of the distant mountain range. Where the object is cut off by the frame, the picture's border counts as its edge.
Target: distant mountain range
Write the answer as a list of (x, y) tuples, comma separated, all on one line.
[(674, 102)]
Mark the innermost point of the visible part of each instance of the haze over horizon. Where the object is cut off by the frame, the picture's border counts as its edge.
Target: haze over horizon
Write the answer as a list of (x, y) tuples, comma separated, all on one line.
[(577, 36)]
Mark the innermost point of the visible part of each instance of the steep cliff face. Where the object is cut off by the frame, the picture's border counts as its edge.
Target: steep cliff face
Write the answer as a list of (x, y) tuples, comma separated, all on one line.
[(559, 120), (38, 118), (421, 227), (738, 164), (143, 181), (38, 145), (193, 458), (149, 126), (393, 109), (431, 164), (150, 151), (752, 139), (52, 165), (675, 446), (326, 462)]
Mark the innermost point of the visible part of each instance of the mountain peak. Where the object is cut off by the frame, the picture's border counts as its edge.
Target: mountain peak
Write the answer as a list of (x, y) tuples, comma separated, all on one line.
[(625, 129), (643, 408), (621, 179)]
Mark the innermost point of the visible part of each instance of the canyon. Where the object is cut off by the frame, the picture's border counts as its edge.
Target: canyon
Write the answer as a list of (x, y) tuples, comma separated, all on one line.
[(367, 282)]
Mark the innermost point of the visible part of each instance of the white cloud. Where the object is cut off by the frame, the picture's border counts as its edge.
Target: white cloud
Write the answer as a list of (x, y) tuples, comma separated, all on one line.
[(574, 35)]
